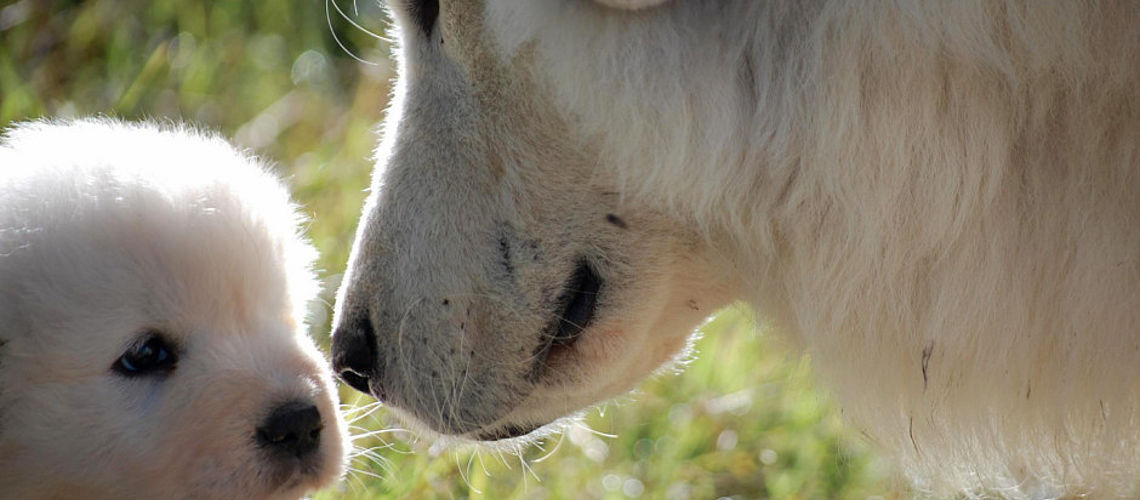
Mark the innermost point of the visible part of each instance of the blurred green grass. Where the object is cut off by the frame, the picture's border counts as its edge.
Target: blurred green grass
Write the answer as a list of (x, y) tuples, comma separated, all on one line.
[(744, 419)]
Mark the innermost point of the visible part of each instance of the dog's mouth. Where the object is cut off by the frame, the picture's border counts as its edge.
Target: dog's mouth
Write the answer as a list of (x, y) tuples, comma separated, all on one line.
[(576, 309), (506, 432), (579, 302)]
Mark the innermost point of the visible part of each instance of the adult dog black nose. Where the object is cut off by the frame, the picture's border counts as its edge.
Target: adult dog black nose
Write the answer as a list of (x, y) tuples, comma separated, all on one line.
[(292, 429), (354, 355)]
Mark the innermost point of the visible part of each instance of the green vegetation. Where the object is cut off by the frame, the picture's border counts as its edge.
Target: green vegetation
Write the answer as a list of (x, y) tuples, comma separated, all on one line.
[(743, 421)]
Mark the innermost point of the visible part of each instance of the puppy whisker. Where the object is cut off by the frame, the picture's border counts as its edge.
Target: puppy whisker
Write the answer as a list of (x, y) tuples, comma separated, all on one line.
[(376, 432), (365, 472)]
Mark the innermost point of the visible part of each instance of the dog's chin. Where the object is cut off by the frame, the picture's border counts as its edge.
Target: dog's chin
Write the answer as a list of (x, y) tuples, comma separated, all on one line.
[(502, 432), (299, 474), (295, 479), (508, 435), (293, 488), (556, 396)]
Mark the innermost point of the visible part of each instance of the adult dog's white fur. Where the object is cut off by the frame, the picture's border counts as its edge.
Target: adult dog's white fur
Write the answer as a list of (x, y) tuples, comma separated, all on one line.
[(939, 200), (109, 231)]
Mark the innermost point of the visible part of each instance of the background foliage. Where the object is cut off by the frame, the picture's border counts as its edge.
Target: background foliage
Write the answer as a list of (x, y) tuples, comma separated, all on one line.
[(285, 79)]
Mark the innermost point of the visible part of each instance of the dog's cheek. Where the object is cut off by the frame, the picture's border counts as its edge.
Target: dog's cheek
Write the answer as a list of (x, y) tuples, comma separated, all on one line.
[(206, 432), (65, 427)]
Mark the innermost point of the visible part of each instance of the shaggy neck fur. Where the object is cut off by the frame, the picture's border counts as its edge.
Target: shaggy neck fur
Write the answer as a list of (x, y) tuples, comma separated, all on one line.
[(939, 198)]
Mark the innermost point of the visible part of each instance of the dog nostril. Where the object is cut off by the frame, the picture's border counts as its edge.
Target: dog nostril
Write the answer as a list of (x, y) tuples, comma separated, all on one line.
[(355, 380), (293, 429), (354, 354)]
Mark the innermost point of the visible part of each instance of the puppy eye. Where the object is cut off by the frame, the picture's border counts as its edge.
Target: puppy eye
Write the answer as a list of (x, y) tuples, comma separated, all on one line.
[(150, 356)]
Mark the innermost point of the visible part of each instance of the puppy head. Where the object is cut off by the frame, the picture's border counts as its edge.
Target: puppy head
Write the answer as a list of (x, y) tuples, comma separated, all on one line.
[(152, 291)]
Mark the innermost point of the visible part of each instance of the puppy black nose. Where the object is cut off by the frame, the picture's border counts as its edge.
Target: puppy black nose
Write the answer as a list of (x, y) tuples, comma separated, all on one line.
[(354, 355), (292, 428)]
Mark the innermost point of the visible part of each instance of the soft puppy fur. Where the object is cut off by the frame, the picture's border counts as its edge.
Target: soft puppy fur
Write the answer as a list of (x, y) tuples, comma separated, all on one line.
[(153, 283)]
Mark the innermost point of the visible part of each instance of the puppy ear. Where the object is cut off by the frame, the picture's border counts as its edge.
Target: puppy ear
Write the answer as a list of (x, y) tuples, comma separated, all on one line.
[(631, 4)]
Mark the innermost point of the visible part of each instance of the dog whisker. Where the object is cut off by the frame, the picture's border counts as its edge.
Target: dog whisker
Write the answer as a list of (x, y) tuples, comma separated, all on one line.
[(371, 456), (365, 472), (479, 456), (376, 432), (374, 458), (393, 448), (502, 459), (332, 31), (470, 461), (354, 24), (557, 445), (526, 466), (367, 407), (598, 433), (354, 481), (466, 476)]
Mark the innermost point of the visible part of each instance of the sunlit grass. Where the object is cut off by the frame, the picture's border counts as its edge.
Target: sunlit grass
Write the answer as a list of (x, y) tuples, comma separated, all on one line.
[(744, 419)]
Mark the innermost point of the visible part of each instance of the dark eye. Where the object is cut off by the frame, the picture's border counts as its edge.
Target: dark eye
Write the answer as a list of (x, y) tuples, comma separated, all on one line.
[(424, 12), (151, 355)]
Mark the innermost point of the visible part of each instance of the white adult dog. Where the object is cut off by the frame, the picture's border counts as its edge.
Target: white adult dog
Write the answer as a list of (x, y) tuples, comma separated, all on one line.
[(939, 200), (153, 284)]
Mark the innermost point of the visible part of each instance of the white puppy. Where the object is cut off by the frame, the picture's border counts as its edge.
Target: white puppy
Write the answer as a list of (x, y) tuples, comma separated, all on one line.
[(152, 291)]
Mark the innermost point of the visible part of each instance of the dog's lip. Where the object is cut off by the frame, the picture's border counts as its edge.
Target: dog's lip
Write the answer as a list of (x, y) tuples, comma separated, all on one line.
[(508, 431), (576, 308), (579, 303)]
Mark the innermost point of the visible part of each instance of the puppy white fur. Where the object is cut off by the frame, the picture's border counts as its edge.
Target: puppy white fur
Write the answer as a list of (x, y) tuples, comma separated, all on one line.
[(939, 200), (113, 235)]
